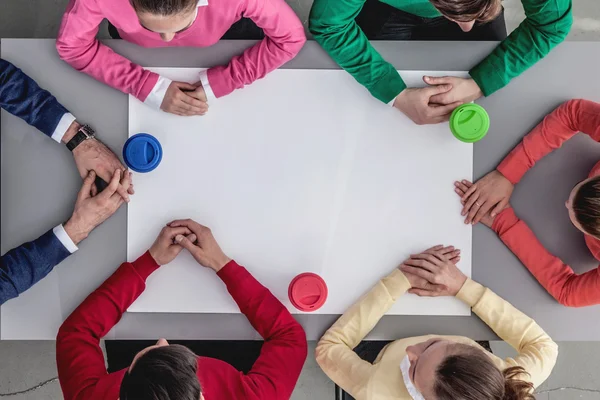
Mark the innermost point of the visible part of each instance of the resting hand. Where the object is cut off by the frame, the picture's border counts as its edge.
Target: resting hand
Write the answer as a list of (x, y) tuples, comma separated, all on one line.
[(415, 103), (199, 92), (93, 155), (205, 249), (490, 194), (92, 210), (464, 90), (180, 100), (165, 249), (434, 272)]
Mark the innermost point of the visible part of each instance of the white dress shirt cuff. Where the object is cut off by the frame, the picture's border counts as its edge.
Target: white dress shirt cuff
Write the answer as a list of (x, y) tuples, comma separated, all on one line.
[(64, 238), (391, 103), (210, 95), (63, 126), (156, 96)]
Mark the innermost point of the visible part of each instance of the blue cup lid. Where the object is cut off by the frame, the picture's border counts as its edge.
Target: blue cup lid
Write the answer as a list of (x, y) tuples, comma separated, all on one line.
[(142, 152)]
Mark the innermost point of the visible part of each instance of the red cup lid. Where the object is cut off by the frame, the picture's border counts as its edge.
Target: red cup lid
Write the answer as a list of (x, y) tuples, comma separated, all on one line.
[(308, 292)]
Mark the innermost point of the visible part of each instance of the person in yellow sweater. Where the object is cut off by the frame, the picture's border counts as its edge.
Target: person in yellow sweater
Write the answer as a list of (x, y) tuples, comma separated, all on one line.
[(436, 367)]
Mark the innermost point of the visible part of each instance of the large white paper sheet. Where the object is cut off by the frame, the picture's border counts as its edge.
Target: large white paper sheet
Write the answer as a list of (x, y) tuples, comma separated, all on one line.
[(301, 171)]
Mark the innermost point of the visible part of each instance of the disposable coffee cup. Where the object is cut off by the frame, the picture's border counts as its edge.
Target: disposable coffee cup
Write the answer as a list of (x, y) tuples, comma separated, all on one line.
[(142, 152), (469, 123), (308, 292)]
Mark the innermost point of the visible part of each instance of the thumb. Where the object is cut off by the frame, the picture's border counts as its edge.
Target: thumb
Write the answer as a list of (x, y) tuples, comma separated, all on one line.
[(186, 243), (437, 80), (88, 183)]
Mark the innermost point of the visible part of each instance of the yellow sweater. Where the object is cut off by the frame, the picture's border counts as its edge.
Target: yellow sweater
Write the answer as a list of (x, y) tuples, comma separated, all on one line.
[(382, 380)]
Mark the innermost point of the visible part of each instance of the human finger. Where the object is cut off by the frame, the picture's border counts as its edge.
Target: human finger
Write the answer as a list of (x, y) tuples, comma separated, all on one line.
[(427, 257), (470, 203), (192, 101), (499, 207), (123, 186), (187, 244), (438, 80), (436, 247), (445, 110), (422, 292), (479, 202), (170, 232), (185, 86), (189, 223), (483, 210), (112, 186), (86, 188), (437, 89), (417, 271), (471, 188)]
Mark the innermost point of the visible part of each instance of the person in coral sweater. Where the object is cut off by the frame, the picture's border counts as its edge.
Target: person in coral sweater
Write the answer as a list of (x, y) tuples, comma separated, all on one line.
[(487, 201), (191, 23), (166, 371)]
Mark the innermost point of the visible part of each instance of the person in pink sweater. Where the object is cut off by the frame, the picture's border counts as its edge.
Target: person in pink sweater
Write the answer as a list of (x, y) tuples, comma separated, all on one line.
[(487, 201), (192, 23)]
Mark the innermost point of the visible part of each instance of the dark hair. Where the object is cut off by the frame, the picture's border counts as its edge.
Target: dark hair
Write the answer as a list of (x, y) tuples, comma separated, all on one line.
[(163, 373), (586, 206), (469, 10), (164, 7), (468, 373)]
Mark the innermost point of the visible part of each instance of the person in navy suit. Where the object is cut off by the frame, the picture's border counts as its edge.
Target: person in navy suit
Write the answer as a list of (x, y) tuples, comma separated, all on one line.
[(22, 267)]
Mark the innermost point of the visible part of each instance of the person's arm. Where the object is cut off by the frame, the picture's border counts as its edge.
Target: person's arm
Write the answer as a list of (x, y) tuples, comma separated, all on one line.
[(557, 127), (78, 46), (334, 351), (81, 368), (537, 351), (276, 371), (547, 23), (24, 266), (332, 23), (555, 276), (21, 96), (284, 38)]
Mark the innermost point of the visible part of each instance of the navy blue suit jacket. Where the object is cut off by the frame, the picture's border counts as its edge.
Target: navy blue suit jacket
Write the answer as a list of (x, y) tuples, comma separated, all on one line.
[(25, 265)]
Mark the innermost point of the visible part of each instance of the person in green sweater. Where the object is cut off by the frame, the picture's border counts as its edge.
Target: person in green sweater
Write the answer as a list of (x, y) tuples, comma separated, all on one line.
[(344, 28)]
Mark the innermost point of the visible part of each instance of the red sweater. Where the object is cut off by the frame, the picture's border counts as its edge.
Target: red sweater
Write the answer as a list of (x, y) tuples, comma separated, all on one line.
[(557, 278), (81, 369)]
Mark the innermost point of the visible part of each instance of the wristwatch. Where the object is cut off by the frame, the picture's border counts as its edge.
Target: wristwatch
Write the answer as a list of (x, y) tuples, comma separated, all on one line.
[(85, 132)]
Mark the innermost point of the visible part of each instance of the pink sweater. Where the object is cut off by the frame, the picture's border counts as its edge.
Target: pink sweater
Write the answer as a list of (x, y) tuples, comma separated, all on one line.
[(77, 44)]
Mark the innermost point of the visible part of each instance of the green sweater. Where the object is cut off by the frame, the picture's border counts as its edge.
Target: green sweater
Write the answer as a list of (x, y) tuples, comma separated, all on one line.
[(332, 22)]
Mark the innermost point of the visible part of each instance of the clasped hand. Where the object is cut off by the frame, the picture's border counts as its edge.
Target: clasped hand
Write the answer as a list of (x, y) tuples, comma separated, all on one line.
[(434, 272), (185, 99), (195, 238), (434, 104)]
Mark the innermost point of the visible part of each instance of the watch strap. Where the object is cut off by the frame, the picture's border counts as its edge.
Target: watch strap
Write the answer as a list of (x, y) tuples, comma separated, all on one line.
[(85, 132)]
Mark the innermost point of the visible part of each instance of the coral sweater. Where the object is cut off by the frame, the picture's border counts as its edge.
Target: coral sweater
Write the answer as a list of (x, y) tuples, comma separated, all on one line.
[(382, 380), (557, 278), (78, 46), (81, 368)]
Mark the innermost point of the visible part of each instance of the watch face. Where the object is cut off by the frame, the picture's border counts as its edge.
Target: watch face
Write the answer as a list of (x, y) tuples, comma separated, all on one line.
[(88, 131)]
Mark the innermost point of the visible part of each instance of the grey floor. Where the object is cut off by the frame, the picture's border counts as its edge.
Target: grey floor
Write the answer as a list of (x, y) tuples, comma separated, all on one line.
[(27, 369)]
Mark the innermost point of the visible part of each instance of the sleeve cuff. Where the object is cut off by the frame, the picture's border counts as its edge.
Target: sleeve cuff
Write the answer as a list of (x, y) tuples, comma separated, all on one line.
[(232, 272), (504, 221), (210, 95), (64, 238), (145, 265), (471, 292), (515, 165), (158, 92), (62, 128), (396, 283)]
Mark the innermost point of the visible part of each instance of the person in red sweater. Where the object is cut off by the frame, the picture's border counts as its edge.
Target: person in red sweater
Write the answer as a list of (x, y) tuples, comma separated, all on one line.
[(163, 371), (488, 201)]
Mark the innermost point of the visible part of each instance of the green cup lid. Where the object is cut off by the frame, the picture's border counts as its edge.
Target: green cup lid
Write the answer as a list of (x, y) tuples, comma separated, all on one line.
[(469, 123)]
